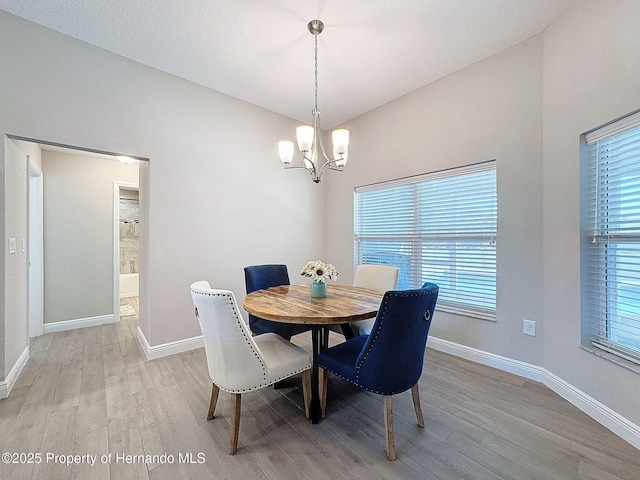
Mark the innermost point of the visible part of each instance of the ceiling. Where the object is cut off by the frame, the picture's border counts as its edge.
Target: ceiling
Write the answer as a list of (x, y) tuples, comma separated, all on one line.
[(260, 51)]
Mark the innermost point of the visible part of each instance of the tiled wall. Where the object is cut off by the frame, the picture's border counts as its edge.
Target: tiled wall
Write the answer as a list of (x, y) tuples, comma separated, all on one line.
[(129, 231)]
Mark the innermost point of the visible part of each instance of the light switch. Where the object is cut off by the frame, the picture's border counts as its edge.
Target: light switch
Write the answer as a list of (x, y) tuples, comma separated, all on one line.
[(12, 245), (24, 245)]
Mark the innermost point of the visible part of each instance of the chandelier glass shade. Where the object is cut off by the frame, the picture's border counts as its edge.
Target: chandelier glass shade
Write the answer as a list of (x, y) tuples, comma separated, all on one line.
[(309, 137)]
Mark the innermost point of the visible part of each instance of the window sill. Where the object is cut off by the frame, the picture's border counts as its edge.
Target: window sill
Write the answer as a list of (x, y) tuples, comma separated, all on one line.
[(634, 367), (489, 316)]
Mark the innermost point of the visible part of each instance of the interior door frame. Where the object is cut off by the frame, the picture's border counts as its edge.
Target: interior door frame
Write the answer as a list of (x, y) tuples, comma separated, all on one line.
[(117, 186), (35, 258)]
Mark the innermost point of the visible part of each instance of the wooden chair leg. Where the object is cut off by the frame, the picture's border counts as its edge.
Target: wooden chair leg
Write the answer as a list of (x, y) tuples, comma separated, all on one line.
[(306, 391), (322, 391), (388, 426), (235, 423), (415, 394), (214, 400)]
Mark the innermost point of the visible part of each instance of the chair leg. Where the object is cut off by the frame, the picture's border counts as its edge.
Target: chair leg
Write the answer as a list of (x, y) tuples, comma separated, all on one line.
[(306, 391), (415, 394), (388, 426), (322, 391), (347, 331), (235, 423), (325, 337), (214, 400)]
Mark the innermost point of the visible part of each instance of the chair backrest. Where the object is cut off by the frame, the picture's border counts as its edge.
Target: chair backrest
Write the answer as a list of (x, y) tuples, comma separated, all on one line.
[(234, 360), (376, 277), (391, 360), (258, 277)]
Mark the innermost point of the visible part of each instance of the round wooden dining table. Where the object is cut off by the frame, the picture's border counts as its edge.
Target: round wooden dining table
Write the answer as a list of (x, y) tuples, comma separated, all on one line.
[(294, 304)]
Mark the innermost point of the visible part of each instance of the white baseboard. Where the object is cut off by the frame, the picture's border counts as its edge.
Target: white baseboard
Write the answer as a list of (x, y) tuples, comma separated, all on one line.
[(78, 323), (600, 413), (129, 294), (166, 349), (7, 384), (596, 410), (522, 369)]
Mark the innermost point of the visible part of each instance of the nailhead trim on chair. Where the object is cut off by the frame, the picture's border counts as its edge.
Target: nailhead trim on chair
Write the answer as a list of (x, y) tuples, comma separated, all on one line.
[(264, 367), (383, 308)]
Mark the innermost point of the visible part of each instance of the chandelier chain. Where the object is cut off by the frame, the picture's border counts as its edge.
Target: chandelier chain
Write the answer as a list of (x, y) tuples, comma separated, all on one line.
[(315, 36)]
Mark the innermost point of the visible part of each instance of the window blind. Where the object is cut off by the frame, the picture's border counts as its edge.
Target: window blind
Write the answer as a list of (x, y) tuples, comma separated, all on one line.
[(439, 227), (614, 252)]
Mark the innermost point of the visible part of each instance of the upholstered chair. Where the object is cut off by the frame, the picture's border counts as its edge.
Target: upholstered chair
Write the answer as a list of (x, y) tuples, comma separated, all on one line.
[(239, 362), (259, 277), (376, 277), (389, 360)]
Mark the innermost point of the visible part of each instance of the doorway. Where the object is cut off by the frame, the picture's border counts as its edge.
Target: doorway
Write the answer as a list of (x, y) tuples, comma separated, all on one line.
[(126, 249), (37, 319)]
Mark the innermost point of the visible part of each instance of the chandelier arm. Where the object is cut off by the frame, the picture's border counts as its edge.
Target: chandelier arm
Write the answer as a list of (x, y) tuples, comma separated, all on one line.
[(291, 165), (318, 137), (314, 176), (331, 165), (327, 162), (303, 164), (309, 160)]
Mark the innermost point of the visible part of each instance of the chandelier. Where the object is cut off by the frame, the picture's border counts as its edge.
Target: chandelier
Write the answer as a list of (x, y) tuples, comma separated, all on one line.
[(309, 138)]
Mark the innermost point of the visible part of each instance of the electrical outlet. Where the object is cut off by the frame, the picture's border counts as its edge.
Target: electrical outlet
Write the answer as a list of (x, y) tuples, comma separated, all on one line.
[(12, 246), (529, 327)]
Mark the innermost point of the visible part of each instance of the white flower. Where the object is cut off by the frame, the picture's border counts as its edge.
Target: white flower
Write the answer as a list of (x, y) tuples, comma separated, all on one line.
[(319, 271)]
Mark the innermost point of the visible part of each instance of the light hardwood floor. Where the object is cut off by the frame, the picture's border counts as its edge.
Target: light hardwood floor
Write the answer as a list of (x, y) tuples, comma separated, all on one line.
[(90, 391)]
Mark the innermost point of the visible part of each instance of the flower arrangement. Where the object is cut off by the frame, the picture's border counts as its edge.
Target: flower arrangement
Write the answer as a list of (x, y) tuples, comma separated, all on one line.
[(319, 271)]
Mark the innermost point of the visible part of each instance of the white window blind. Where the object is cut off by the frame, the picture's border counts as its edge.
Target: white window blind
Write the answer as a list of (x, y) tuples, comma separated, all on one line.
[(614, 252), (438, 227)]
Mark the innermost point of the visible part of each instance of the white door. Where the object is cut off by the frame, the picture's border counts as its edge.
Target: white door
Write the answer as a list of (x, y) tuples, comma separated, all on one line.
[(36, 250)]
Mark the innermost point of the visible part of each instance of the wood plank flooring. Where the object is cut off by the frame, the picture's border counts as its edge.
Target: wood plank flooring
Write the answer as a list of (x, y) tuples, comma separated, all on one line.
[(91, 392)]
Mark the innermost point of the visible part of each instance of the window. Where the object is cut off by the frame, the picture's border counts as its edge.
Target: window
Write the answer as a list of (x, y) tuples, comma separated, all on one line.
[(438, 227), (613, 199)]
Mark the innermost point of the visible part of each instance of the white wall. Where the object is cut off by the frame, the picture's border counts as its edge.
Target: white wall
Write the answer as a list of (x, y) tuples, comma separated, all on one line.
[(591, 76), (216, 194), (490, 110), (15, 293), (526, 107), (78, 233)]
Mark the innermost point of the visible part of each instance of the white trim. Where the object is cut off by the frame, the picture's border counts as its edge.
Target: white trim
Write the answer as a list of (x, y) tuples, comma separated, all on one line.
[(34, 169), (615, 422), (35, 253), (171, 348), (522, 369), (7, 384), (613, 128), (79, 323), (131, 294), (483, 166)]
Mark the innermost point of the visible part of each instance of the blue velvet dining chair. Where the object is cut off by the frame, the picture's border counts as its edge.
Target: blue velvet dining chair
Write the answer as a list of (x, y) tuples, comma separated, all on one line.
[(389, 360), (259, 277)]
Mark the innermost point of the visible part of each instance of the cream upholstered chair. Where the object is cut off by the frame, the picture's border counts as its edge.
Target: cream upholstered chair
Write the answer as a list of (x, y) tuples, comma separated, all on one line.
[(376, 277), (238, 362)]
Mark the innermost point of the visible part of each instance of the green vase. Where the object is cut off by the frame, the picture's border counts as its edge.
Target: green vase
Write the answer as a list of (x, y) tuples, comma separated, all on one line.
[(318, 290)]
